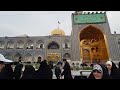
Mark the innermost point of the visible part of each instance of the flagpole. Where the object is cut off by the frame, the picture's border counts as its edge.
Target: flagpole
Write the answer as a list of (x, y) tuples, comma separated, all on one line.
[(61, 43), (58, 24)]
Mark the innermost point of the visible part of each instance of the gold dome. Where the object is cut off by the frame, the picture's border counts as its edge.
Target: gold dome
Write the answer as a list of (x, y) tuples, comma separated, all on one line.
[(58, 32)]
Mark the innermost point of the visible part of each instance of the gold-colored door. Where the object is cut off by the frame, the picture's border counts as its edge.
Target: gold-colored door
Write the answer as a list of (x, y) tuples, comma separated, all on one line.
[(86, 55), (93, 45)]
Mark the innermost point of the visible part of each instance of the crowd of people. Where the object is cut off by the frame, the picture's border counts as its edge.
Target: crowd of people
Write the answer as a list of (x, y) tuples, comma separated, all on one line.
[(109, 70)]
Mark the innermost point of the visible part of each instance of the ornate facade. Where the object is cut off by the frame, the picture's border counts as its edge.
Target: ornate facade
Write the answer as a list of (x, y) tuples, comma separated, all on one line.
[(26, 48)]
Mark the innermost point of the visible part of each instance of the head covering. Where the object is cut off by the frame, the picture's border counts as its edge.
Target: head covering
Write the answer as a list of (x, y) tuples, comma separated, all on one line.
[(98, 68), (4, 60), (109, 62)]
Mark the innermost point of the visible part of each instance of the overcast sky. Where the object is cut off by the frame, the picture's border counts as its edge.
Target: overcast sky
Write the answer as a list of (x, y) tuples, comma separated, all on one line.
[(41, 23)]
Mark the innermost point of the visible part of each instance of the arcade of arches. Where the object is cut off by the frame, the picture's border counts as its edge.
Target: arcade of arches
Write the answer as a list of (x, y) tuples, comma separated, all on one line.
[(92, 45)]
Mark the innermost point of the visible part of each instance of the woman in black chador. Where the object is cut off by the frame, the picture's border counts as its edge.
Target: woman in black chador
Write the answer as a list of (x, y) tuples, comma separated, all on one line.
[(8, 71), (18, 71), (99, 72), (112, 70), (67, 70), (44, 71), (29, 72)]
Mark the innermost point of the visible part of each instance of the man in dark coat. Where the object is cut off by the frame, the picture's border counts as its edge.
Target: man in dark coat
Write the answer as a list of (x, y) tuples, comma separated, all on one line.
[(67, 70)]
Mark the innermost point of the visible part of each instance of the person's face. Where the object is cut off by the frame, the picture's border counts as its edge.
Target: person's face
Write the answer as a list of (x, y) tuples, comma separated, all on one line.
[(97, 74), (1, 67), (108, 66)]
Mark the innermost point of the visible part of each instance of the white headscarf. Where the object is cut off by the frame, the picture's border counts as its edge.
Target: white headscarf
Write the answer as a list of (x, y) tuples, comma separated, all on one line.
[(98, 67), (109, 62)]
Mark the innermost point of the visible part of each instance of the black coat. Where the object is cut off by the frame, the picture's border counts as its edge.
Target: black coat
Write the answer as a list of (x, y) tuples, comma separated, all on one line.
[(67, 71), (18, 71), (115, 74), (8, 71), (3, 74), (29, 72), (44, 71), (57, 71)]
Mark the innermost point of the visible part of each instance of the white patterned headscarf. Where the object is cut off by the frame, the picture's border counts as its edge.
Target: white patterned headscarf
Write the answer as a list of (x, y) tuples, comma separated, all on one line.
[(98, 68)]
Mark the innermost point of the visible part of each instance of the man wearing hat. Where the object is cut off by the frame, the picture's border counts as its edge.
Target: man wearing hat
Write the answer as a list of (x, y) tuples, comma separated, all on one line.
[(3, 61)]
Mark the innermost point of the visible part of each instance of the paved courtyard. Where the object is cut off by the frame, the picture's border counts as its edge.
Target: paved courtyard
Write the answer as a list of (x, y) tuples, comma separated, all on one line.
[(76, 73)]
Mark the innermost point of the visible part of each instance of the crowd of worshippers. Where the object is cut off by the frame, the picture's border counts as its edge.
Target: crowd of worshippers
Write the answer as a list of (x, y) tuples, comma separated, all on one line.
[(109, 70)]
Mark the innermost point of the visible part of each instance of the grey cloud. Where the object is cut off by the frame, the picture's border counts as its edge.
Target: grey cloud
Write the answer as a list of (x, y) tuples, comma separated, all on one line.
[(41, 23)]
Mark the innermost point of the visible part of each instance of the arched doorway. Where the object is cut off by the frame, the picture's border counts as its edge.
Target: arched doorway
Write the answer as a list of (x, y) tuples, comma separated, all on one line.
[(30, 44), (67, 56), (39, 44), (20, 45), (10, 45), (17, 57), (53, 45), (39, 59), (93, 46), (28, 57), (2, 44)]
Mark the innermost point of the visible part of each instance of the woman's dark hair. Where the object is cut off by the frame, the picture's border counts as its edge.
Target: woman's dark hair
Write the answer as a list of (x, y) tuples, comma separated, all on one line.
[(64, 60), (1, 62), (105, 72)]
